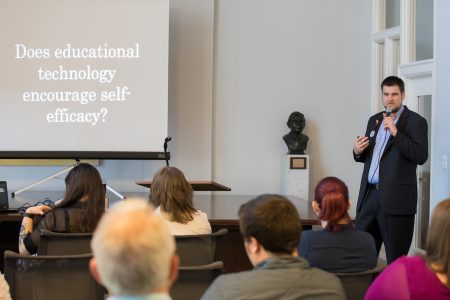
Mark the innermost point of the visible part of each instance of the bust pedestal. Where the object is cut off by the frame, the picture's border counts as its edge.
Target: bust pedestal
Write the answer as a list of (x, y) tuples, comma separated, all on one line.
[(295, 176)]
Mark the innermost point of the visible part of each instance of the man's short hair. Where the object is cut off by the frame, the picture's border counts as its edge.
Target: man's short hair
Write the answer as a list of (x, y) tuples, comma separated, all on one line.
[(133, 249), (273, 221), (393, 81)]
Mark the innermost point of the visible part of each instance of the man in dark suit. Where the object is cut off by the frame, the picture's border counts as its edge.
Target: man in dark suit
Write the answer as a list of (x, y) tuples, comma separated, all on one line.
[(394, 144)]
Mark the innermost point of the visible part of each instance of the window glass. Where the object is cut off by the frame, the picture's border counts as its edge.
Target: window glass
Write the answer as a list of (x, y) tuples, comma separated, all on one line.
[(424, 29), (393, 13)]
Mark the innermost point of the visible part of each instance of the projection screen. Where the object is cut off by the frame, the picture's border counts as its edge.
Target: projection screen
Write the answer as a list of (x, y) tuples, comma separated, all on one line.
[(83, 79)]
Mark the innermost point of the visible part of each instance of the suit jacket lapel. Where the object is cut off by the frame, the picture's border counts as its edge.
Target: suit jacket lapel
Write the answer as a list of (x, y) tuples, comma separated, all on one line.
[(400, 127), (376, 127)]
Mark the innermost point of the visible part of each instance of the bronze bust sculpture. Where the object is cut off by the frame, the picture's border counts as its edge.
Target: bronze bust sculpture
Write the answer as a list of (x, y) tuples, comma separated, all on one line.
[(295, 140)]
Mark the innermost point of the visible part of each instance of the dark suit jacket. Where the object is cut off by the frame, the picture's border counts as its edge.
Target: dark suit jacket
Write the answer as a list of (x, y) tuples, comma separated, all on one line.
[(398, 164)]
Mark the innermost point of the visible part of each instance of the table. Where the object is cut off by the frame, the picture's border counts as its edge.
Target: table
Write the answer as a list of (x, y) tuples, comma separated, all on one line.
[(222, 211), (197, 185)]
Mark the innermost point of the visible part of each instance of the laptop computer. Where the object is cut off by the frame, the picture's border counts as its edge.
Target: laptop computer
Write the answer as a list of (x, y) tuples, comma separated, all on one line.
[(4, 201)]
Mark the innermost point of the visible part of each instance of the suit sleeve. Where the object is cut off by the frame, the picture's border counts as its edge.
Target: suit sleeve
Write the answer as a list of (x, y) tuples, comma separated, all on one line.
[(413, 144)]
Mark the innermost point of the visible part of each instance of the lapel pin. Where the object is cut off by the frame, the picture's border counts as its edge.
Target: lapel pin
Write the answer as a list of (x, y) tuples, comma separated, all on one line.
[(372, 133)]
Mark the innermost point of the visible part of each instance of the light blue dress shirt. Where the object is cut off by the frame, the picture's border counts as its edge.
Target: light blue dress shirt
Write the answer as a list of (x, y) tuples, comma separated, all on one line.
[(380, 144)]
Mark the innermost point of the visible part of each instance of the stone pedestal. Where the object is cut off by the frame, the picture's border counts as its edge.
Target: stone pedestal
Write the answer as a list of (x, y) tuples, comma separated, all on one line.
[(295, 176)]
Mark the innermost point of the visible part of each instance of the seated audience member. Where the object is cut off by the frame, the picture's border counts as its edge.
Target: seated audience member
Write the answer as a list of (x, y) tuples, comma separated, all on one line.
[(171, 194), (79, 211), (417, 278), (271, 227), (338, 247), (134, 253), (4, 289)]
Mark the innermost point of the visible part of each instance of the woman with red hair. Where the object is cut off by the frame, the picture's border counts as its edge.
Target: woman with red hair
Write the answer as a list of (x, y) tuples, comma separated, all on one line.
[(338, 247)]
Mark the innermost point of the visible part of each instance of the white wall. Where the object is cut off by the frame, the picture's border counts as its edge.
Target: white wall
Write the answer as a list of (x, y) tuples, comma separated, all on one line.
[(275, 57), (440, 185), (190, 86), (238, 68)]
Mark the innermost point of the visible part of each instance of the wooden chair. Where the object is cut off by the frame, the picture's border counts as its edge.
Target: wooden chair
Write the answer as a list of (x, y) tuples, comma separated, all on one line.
[(199, 250), (193, 281), (57, 243), (356, 284), (51, 277)]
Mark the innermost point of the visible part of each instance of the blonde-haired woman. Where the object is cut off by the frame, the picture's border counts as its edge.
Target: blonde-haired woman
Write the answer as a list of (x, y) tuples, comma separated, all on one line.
[(171, 194), (420, 277)]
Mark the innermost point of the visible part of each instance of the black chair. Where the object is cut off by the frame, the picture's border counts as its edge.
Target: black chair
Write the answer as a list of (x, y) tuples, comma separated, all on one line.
[(356, 284), (57, 243), (193, 281), (202, 249), (51, 277)]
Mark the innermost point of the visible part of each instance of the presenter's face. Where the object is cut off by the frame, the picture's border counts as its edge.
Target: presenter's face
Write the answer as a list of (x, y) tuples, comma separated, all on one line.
[(392, 97)]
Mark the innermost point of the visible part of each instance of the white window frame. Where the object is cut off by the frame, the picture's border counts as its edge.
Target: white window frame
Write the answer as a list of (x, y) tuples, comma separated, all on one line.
[(386, 55)]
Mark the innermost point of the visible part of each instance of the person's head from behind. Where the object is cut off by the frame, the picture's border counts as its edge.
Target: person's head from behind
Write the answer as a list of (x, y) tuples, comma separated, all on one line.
[(173, 194), (270, 225), (331, 203), (438, 239), (134, 253), (84, 185), (296, 122)]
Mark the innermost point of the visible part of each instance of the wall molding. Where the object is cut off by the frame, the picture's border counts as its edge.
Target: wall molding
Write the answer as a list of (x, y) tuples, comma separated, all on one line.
[(418, 69)]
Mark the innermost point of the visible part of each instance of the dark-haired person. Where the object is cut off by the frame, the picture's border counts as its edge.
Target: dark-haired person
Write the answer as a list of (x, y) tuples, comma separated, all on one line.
[(338, 247), (79, 211), (391, 149), (418, 278), (271, 227), (172, 194)]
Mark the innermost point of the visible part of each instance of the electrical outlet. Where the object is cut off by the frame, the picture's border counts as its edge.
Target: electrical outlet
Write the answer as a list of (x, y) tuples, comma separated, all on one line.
[(444, 161)]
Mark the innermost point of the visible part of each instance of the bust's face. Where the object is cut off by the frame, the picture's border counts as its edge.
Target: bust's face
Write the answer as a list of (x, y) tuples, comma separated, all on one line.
[(297, 124)]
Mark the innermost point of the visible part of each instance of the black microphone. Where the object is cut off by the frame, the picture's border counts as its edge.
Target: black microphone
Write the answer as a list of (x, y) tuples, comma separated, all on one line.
[(388, 114), (166, 140)]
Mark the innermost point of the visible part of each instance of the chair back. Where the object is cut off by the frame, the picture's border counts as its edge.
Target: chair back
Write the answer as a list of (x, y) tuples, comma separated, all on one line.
[(58, 243), (51, 277), (202, 249), (193, 281), (356, 284)]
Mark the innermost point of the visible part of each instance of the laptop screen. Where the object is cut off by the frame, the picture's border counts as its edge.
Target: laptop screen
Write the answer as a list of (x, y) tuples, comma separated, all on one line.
[(3, 195)]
